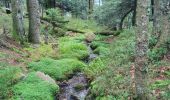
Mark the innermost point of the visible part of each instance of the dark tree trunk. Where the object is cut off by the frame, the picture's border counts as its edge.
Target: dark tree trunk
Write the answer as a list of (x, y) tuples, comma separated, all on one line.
[(34, 21), (121, 22), (134, 4)]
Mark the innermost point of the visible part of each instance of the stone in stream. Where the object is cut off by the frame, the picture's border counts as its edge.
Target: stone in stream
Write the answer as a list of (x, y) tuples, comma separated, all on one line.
[(74, 89)]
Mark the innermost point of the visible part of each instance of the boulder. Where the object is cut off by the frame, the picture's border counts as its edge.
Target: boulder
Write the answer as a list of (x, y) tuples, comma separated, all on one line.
[(45, 77), (89, 37)]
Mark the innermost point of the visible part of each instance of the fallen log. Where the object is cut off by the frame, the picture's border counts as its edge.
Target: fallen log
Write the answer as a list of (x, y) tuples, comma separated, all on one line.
[(108, 33), (74, 30)]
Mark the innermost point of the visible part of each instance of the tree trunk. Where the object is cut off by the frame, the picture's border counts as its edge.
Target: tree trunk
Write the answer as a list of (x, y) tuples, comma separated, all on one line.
[(156, 19), (90, 9), (134, 4), (141, 61), (121, 22), (34, 21), (18, 25), (164, 22)]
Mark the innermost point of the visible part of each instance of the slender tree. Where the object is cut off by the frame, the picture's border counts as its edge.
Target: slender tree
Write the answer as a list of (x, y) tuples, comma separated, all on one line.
[(34, 21), (156, 18), (90, 7), (141, 50), (18, 24)]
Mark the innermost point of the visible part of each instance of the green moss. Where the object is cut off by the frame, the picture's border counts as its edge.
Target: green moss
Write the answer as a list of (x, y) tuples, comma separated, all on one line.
[(102, 51), (33, 88), (42, 51), (70, 48), (58, 69), (8, 76), (96, 44)]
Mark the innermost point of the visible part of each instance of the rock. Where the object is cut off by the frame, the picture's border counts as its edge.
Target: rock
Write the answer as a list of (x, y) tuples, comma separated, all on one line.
[(79, 87), (89, 37), (70, 33), (45, 77)]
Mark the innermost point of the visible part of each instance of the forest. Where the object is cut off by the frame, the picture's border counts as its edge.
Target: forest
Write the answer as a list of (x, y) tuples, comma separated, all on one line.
[(84, 49)]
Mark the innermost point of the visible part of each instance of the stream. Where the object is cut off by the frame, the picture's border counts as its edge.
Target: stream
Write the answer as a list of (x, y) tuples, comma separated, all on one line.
[(76, 88)]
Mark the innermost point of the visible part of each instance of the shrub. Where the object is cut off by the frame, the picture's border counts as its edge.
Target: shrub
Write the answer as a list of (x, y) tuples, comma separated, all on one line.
[(156, 54), (54, 15), (33, 88), (58, 69), (8, 76)]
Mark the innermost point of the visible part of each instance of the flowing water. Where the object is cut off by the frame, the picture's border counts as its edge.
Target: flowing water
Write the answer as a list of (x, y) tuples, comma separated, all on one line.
[(76, 88)]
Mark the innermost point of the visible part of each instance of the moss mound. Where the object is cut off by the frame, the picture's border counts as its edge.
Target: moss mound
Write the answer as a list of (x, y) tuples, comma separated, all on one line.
[(58, 69), (34, 88), (8, 76), (70, 48)]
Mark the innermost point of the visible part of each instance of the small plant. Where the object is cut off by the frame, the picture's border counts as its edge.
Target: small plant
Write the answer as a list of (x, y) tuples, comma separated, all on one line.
[(156, 54)]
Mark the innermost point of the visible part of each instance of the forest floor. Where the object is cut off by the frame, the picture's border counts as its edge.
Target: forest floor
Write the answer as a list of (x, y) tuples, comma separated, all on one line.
[(102, 66)]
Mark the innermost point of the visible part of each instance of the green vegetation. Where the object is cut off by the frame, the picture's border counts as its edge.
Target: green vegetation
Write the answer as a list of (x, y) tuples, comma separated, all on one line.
[(33, 88), (58, 69), (84, 25), (113, 81), (70, 48), (42, 51), (95, 68), (8, 77), (102, 42)]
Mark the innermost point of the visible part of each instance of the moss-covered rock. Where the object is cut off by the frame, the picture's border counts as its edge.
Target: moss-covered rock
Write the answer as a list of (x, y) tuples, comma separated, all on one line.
[(34, 88), (58, 69)]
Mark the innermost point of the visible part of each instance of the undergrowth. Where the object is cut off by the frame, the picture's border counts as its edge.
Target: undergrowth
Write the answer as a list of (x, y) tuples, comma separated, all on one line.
[(71, 48), (58, 69), (34, 88), (8, 77)]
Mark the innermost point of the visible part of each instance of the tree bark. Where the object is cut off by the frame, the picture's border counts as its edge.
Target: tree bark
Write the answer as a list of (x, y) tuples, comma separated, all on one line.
[(18, 25), (164, 22), (90, 8), (134, 4), (34, 21), (141, 61), (156, 19)]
